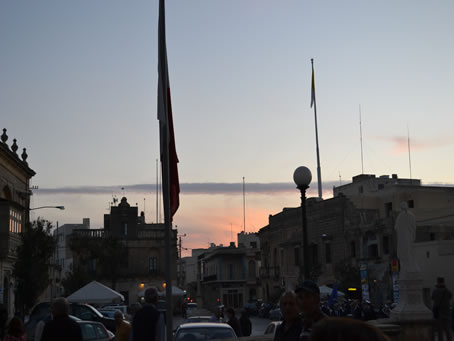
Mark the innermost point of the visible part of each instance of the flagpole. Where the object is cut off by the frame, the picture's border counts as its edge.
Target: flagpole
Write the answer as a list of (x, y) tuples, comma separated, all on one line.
[(319, 172), (164, 122)]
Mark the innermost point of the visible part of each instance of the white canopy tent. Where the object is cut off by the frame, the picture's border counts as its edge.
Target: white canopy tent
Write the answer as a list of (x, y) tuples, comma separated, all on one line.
[(175, 292), (326, 291), (96, 293)]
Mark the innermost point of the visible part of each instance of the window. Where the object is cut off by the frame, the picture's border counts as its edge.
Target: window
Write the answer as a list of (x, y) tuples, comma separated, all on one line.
[(388, 208), (353, 249), (101, 332), (125, 229), (254, 245), (15, 221), (360, 189), (386, 245), (373, 251), (328, 253), (282, 257), (297, 255), (230, 271), (314, 253), (411, 204), (153, 264), (381, 186), (88, 331)]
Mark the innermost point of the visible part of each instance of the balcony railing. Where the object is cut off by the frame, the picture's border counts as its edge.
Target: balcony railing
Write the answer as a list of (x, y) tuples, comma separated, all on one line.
[(272, 272)]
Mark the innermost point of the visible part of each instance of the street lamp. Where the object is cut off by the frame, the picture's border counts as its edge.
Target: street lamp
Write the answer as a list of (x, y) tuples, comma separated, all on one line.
[(302, 177), (37, 208)]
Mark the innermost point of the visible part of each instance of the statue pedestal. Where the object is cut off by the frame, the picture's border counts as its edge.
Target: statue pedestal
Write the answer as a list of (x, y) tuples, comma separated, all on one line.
[(410, 306)]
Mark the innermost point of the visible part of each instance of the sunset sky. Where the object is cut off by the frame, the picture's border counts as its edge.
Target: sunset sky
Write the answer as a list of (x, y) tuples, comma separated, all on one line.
[(78, 89)]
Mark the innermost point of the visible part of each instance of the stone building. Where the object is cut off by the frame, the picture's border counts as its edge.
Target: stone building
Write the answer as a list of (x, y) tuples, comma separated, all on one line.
[(334, 228), (229, 275), (356, 227), (144, 264), (15, 175)]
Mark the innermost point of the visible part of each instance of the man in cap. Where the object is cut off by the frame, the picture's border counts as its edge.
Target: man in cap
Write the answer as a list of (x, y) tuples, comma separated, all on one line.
[(308, 295), (291, 327)]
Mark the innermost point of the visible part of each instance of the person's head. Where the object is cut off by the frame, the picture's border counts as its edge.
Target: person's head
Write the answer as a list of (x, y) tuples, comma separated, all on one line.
[(60, 307), (230, 313), (308, 297), (440, 282), (16, 327), (345, 329), (151, 295), (118, 316), (289, 306)]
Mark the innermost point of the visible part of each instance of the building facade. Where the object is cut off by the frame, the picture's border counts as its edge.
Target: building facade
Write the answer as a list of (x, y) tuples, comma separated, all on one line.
[(15, 175), (229, 275), (355, 230), (143, 264)]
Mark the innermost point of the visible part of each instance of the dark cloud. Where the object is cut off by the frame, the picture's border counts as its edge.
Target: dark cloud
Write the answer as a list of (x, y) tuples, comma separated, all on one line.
[(186, 188)]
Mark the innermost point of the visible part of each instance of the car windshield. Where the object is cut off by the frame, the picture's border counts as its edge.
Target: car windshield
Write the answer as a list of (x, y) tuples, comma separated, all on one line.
[(204, 334)]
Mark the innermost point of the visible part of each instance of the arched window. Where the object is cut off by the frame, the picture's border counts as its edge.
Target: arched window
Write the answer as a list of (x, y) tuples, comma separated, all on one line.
[(7, 193), (251, 269)]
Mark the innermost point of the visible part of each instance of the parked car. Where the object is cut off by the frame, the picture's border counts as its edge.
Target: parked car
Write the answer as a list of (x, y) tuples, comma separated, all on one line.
[(275, 314), (30, 328), (95, 331), (191, 308), (84, 312), (204, 332), (122, 308), (265, 308), (193, 319), (251, 308), (272, 327), (107, 312)]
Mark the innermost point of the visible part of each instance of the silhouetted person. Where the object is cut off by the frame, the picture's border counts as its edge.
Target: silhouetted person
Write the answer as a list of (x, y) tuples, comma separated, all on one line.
[(308, 294), (442, 298), (233, 322), (122, 327), (3, 319), (148, 323), (245, 323), (292, 325), (15, 330), (61, 327)]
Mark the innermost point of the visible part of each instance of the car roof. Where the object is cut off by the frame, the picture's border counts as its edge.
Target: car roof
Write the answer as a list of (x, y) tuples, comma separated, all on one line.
[(204, 325)]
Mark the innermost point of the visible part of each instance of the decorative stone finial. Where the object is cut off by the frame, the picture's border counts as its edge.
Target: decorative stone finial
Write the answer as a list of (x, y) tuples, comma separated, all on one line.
[(24, 155), (14, 147), (4, 136)]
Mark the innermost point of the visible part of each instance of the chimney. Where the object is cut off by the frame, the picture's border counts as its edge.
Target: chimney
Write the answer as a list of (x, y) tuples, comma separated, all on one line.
[(86, 222)]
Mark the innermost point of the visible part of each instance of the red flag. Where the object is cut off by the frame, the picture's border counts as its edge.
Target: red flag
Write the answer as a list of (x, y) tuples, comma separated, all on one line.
[(166, 121)]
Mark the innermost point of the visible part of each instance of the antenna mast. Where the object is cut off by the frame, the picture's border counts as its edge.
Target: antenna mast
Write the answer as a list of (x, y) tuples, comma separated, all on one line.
[(157, 193), (314, 103), (409, 154), (361, 140), (244, 209)]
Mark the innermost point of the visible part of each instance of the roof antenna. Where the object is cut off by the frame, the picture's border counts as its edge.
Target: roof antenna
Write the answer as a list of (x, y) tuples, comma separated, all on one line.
[(361, 140)]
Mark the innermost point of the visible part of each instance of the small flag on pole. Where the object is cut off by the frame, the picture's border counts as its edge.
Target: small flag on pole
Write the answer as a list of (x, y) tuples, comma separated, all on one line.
[(313, 85), (333, 295), (165, 118)]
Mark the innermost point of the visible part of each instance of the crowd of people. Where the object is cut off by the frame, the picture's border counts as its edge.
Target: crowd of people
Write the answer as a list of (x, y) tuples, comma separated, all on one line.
[(304, 318)]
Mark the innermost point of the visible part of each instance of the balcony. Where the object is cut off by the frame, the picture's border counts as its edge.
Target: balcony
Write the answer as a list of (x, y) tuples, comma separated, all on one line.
[(272, 272), (90, 233)]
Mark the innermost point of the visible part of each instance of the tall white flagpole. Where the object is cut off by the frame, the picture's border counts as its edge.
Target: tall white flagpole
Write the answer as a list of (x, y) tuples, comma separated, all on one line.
[(314, 103)]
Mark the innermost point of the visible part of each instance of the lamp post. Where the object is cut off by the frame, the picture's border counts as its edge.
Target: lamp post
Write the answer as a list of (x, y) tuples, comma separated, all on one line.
[(302, 177)]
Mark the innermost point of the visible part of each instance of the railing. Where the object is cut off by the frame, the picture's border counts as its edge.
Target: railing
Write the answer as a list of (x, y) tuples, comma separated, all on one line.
[(150, 234), (90, 233), (269, 272)]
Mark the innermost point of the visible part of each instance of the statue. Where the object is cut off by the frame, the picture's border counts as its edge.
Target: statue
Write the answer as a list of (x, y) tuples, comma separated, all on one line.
[(406, 232)]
